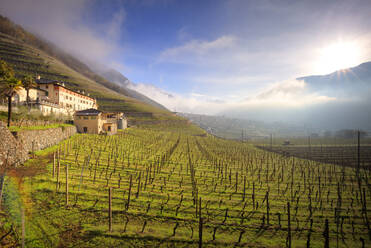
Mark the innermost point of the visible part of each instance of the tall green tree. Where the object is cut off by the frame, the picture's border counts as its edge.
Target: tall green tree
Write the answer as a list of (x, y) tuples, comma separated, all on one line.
[(6, 71), (9, 85), (28, 83)]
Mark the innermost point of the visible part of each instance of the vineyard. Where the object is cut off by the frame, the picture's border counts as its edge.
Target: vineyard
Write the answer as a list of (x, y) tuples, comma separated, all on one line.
[(345, 155), (176, 186), (25, 60)]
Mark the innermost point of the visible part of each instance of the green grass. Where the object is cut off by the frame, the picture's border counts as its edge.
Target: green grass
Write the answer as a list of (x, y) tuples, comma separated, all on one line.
[(17, 129), (158, 160), (10, 213)]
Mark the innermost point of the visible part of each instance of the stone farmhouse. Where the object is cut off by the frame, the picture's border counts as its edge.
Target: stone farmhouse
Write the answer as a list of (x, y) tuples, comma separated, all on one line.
[(52, 96), (94, 121)]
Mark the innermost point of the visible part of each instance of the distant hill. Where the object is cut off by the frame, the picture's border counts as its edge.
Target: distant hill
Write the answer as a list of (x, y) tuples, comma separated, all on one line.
[(342, 82), (361, 73), (28, 53), (340, 100)]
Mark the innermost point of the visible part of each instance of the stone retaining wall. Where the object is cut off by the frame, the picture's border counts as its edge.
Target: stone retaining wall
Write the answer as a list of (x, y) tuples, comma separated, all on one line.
[(35, 140), (11, 151)]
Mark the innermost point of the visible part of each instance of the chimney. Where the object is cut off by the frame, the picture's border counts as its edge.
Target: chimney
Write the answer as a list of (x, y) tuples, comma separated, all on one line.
[(38, 77)]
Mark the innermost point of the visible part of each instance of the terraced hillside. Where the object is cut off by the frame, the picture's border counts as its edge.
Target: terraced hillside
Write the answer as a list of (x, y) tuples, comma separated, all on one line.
[(29, 54)]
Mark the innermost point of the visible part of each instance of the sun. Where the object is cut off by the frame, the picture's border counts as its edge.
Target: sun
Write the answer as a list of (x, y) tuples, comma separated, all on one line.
[(338, 56)]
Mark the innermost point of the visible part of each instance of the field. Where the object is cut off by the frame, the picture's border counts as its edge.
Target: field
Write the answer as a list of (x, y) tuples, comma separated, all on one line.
[(163, 186)]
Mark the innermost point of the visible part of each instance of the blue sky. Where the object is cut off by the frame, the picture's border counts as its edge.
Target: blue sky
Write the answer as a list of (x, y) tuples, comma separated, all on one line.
[(206, 51), (204, 47)]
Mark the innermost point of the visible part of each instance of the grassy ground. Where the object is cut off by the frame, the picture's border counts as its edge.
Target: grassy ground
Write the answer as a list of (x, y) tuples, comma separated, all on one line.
[(15, 128), (175, 169), (10, 214)]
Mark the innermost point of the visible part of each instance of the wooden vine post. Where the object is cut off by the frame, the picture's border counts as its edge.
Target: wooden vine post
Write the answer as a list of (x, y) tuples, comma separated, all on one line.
[(309, 233), (66, 184), (288, 225), (58, 169), (244, 188), (110, 209), (253, 195), (53, 164), (129, 194), (23, 226), (200, 227), (267, 199), (326, 234)]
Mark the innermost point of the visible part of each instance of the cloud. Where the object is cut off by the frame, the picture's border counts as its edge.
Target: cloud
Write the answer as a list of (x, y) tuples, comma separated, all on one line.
[(194, 102), (286, 95), (230, 79), (183, 34), (196, 50), (67, 24), (114, 27), (291, 93)]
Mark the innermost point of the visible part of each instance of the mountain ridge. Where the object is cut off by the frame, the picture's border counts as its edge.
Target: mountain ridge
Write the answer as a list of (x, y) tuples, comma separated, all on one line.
[(118, 78), (361, 72)]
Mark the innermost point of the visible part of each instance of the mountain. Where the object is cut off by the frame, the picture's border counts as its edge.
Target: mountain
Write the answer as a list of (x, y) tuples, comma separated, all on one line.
[(346, 82), (116, 77), (339, 100), (31, 54), (360, 73)]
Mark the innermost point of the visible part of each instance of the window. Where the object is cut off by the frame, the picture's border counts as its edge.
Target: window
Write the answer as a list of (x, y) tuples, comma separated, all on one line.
[(109, 129), (85, 129), (86, 118), (46, 86), (93, 117)]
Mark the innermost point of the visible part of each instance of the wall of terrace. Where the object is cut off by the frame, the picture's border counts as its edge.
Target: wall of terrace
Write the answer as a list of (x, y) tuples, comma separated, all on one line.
[(35, 140)]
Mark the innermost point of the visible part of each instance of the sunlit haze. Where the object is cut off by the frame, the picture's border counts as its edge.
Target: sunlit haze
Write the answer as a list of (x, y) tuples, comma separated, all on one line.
[(337, 56)]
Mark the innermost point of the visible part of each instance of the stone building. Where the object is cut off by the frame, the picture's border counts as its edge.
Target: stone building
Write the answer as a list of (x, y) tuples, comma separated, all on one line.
[(94, 121), (66, 98), (53, 97)]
